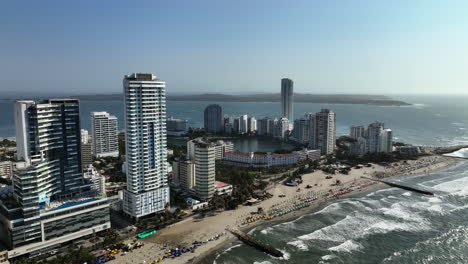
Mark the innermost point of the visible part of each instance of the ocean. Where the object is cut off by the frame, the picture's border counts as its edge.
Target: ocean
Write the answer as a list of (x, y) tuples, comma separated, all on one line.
[(388, 225), (384, 226), (431, 120)]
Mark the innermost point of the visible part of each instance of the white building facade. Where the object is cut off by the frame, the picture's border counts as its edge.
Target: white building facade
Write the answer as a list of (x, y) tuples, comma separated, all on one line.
[(145, 122), (104, 128)]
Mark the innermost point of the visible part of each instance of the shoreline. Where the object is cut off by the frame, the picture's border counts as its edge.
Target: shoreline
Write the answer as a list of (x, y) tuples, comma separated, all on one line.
[(210, 256), (210, 227)]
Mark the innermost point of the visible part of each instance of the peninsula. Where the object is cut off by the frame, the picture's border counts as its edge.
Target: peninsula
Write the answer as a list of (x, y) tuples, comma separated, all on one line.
[(363, 99)]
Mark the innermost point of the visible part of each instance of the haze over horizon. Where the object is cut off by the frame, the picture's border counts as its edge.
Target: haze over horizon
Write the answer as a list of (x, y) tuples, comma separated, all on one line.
[(241, 47)]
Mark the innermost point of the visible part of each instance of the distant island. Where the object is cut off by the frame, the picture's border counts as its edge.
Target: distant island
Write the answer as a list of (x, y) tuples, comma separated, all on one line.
[(364, 99)]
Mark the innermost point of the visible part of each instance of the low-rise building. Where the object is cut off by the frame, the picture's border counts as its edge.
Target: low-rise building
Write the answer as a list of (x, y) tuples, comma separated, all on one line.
[(257, 160), (4, 256), (311, 154), (409, 150), (6, 169), (222, 188)]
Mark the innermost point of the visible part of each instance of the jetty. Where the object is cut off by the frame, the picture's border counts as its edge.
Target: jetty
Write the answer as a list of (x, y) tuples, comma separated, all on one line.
[(247, 239), (408, 188)]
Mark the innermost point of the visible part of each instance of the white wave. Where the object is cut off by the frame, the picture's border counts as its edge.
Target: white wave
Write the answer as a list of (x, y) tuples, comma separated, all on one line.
[(263, 262), (286, 255), (347, 246), (267, 230), (435, 199), (457, 187), (328, 257), (461, 153), (361, 225), (384, 227), (407, 194), (233, 247), (330, 208), (398, 210), (378, 191), (300, 244)]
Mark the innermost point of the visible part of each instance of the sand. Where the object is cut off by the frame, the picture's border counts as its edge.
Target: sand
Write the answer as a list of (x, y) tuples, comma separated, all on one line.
[(203, 229)]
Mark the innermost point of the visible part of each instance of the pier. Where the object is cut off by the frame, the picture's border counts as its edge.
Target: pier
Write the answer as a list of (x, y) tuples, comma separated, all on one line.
[(247, 239), (401, 186)]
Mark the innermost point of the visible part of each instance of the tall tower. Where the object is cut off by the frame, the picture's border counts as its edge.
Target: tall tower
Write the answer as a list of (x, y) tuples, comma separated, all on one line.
[(214, 118), (287, 100), (322, 131), (145, 127), (49, 138), (205, 162), (52, 202), (105, 129), (374, 132)]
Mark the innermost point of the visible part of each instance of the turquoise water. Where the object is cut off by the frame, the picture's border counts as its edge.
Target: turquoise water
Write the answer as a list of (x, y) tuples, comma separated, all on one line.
[(385, 226), (432, 120), (70, 204)]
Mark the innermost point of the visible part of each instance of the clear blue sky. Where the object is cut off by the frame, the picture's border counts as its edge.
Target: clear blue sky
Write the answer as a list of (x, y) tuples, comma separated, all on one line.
[(328, 46)]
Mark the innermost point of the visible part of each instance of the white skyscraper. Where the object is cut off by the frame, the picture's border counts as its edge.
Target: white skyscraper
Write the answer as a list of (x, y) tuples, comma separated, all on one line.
[(145, 127), (105, 130), (244, 124), (374, 140), (386, 140), (287, 100), (205, 170), (322, 131)]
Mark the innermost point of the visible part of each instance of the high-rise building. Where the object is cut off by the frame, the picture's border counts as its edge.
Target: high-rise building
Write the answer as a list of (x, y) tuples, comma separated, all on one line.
[(48, 182), (147, 189), (244, 124), (236, 125), (214, 118), (228, 125), (86, 149), (251, 124), (322, 131), (287, 99), (376, 138), (357, 132), (281, 128), (104, 129), (84, 136), (386, 140), (263, 127), (301, 130), (205, 161), (374, 141), (184, 171), (272, 126)]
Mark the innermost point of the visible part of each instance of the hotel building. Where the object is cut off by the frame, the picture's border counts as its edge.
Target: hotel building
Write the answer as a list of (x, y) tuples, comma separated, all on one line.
[(147, 189)]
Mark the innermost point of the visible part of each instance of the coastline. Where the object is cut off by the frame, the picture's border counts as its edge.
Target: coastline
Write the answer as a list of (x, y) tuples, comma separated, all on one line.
[(210, 256), (205, 229)]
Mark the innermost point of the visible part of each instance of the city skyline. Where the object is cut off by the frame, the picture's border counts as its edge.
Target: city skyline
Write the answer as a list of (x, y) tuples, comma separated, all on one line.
[(325, 47)]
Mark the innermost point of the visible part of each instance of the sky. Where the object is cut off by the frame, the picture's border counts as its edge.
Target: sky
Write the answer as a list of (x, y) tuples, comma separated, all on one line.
[(235, 47)]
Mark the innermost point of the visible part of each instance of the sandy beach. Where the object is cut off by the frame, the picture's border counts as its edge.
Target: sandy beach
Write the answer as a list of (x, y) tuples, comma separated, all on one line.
[(212, 229)]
